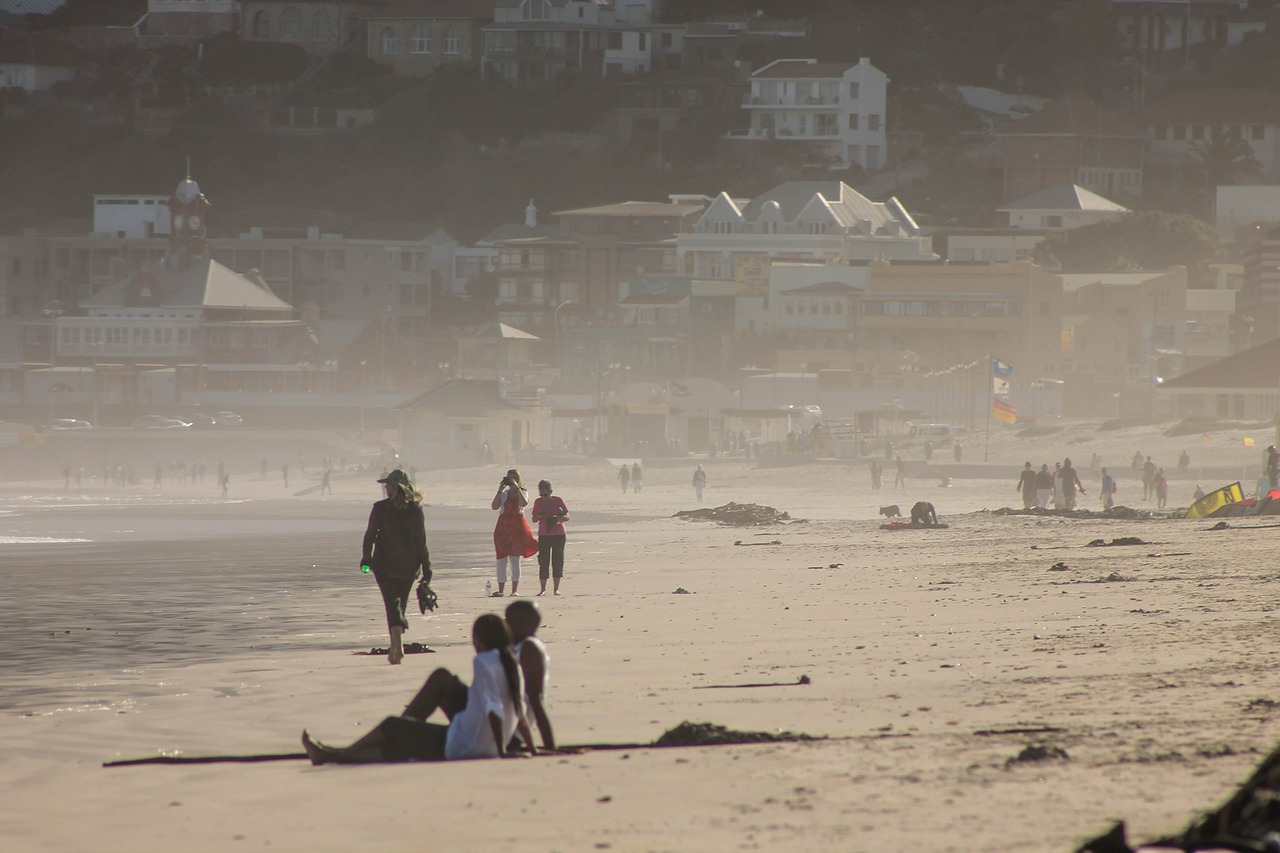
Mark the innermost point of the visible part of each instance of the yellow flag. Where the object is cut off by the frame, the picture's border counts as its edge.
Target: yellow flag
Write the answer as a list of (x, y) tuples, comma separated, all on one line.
[(1247, 441), (1216, 500)]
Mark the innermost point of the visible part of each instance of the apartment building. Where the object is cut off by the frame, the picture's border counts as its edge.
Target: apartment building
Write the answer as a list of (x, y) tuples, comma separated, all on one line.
[(831, 111), (415, 37)]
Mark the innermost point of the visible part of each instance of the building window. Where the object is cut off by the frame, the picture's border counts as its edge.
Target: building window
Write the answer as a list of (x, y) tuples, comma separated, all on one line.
[(451, 40), (853, 91), (419, 40), (873, 122), (322, 26), (666, 43), (1053, 222), (613, 41), (853, 121), (290, 23), (261, 25), (1178, 132), (390, 42), (824, 124), (817, 227), (722, 227)]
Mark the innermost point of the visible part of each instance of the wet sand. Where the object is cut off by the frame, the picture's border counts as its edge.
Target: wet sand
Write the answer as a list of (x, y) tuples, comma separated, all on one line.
[(1152, 666)]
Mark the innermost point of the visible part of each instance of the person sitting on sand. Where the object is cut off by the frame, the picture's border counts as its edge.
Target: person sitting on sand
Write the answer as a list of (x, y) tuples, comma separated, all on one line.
[(482, 718), (524, 618)]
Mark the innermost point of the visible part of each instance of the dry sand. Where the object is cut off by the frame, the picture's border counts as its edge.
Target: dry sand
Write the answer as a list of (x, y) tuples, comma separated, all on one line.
[(178, 623)]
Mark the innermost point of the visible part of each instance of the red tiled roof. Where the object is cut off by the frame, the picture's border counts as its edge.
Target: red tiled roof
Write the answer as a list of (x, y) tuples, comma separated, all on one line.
[(1073, 117), (19, 46), (803, 68), (1213, 106), (1257, 367)]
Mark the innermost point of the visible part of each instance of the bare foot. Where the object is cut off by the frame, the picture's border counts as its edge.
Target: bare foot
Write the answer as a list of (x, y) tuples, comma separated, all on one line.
[(318, 753), (395, 656)]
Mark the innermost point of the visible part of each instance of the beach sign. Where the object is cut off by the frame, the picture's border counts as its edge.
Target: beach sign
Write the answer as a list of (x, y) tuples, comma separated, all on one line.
[(1216, 500)]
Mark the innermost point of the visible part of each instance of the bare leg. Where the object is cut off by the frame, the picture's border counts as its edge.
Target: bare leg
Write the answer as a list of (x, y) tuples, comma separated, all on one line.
[(498, 594), (367, 750), (555, 586), (542, 586), (396, 653), (439, 691)]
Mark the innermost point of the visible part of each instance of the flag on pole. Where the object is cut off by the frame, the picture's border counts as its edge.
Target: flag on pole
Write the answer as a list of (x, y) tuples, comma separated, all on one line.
[(1216, 500), (1004, 411), (1001, 368), (1000, 386)]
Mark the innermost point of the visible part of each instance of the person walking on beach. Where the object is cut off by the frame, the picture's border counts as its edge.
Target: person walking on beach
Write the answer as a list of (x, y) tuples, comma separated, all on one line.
[(1044, 487), (874, 470), (549, 513), (1059, 496), (624, 476), (1148, 479), (284, 472), (482, 717), (1108, 490), (395, 548), (699, 481), (637, 478), (900, 479), (512, 536), (1160, 486), (1027, 485), (523, 618), (1070, 485), (325, 486), (224, 483)]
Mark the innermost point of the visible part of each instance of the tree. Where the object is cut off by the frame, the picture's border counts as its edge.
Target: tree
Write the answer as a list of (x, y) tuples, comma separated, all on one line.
[(1224, 157), (1141, 240)]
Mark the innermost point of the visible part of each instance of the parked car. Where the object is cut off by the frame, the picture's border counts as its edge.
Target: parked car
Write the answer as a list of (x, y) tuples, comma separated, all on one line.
[(202, 421), (160, 422), (226, 420), (64, 423)]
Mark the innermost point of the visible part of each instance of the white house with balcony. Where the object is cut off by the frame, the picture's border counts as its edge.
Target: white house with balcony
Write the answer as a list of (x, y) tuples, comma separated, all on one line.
[(836, 111), (815, 221)]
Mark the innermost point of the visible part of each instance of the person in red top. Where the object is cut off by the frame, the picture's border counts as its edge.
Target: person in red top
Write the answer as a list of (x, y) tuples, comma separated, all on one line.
[(512, 536), (550, 513)]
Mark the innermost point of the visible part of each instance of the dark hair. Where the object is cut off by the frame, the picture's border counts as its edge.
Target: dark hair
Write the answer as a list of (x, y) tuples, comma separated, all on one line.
[(544, 484), (514, 475), (523, 608), (491, 631)]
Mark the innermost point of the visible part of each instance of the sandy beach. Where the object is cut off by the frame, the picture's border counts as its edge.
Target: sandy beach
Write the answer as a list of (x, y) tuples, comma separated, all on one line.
[(142, 622)]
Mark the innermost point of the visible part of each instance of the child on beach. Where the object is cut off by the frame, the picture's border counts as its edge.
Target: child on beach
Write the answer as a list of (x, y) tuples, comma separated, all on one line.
[(549, 513), (482, 718), (523, 618)]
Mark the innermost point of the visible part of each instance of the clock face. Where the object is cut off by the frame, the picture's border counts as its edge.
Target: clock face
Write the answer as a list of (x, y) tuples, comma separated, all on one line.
[(193, 222), (177, 222)]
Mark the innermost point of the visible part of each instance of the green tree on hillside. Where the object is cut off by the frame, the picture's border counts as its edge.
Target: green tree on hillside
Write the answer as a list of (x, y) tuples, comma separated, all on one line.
[(1142, 240), (1224, 157)]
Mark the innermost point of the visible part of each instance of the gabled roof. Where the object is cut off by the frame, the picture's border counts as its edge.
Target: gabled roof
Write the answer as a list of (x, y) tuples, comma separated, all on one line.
[(848, 206), (1073, 117), (1213, 106), (828, 288), (634, 208), (435, 9), (498, 330), (1257, 367), (1065, 197), (519, 231), (204, 283), (802, 68), (459, 397)]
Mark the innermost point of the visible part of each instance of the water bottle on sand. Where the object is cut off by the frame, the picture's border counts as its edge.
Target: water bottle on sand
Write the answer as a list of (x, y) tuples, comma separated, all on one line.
[(488, 589)]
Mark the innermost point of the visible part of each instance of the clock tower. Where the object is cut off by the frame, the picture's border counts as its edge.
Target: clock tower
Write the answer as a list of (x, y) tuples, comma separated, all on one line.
[(188, 209)]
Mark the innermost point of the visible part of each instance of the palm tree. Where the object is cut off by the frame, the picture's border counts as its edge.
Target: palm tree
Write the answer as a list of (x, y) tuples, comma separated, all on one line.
[(1224, 156)]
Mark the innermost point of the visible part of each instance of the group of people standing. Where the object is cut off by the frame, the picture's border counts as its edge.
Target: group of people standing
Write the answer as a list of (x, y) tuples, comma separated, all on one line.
[(513, 538), (1059, 486)]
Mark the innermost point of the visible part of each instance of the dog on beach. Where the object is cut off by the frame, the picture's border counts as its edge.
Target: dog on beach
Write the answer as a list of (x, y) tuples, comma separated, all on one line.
[(891, 511), (924, 513)]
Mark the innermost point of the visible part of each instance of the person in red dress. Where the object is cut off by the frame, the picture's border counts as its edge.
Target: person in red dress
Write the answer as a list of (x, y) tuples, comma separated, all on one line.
[(512, 536)]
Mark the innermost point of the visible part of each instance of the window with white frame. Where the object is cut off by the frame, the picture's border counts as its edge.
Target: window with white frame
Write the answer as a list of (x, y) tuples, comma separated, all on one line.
[(290, 23), (390, 42), (321, 25), (419, 39), (451, 40)]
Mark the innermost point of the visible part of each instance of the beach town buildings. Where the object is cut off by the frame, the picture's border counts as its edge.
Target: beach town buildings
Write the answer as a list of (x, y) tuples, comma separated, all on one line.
[(415, 37), (35, 61), (1183, 124), (833, 113), (183, 20), (1071, 141)]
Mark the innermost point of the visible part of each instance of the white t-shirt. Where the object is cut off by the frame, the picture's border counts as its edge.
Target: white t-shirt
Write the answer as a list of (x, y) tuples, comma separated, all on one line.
[(470, 735)]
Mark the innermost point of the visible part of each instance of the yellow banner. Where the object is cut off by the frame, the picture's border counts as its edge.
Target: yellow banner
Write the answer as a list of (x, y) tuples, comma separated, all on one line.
[(1216, 500), (1004, 412), (751, 272)]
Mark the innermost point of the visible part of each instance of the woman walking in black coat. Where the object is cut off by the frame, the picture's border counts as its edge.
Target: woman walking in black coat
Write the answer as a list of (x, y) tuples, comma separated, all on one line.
[(395, 547)]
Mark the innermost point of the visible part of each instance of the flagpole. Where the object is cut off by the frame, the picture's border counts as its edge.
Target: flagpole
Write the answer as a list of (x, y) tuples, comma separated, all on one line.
[(991, 390)]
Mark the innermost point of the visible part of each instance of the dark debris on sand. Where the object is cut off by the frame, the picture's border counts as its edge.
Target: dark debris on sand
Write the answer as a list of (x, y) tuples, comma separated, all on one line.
[(1037, 753), (738, 515), (1117, 512), (1120, 540), (710, 734)]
